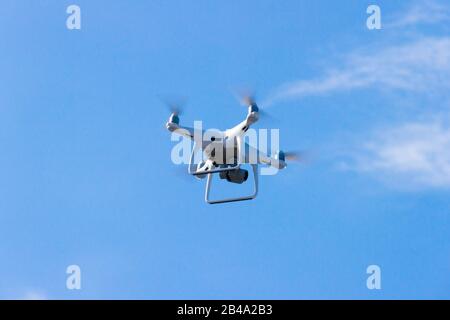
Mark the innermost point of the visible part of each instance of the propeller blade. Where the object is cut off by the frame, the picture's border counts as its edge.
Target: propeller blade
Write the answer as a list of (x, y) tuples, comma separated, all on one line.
[(292, 156), (247, 98), (174, 105), (297, 156)]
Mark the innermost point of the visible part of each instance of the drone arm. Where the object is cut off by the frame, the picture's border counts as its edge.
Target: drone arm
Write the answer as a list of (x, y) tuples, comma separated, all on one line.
[(272, 161), (241, 128), (252, 117), (263, 158), (184, 131)]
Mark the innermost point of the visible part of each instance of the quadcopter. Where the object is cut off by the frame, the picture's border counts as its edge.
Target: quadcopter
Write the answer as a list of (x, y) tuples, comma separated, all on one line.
[(224, 152)]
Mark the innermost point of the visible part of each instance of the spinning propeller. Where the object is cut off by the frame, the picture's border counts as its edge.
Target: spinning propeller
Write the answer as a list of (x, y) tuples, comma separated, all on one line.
[(174, 104), (247, 98)]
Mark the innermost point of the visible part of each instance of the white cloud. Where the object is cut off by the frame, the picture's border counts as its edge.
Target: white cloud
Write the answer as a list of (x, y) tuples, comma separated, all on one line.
[(420, 13), (416, 66), (413, 155)]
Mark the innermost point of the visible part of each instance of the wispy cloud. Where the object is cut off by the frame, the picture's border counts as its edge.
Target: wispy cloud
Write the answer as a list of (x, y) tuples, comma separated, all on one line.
[(415, 66), (421, 13), (409, 154), (412, 155)]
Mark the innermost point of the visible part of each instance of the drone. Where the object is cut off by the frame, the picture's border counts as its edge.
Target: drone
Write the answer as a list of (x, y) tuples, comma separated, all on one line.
[(224, 153)]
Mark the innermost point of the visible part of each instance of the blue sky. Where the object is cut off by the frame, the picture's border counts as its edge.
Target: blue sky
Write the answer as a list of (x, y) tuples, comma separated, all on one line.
[(86, 176)]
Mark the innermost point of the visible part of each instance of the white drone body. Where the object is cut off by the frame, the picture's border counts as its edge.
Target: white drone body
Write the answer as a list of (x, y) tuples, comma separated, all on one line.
[(224, 153)]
